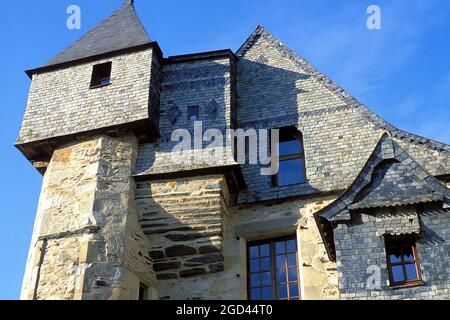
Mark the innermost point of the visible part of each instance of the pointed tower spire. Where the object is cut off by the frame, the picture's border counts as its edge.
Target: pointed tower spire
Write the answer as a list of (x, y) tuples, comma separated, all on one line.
[(121, 30)]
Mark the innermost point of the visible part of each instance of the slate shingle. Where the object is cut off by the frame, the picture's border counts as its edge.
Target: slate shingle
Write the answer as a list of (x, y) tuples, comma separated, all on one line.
[(121, 30)]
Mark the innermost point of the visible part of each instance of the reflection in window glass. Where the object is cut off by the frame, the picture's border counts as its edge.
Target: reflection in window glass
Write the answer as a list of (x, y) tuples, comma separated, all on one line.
[(411, 272), (397, 273), (291, 158), (273, 269), (290, 172), (403, 263), (290, 147)]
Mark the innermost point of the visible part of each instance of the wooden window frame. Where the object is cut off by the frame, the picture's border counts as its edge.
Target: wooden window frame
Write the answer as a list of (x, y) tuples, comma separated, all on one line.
[(273, 267), (400, 243), (301, 155), (97, 75)]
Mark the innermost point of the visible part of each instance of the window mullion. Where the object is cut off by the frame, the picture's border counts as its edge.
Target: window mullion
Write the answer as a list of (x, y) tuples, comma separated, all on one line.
[(402, 257), (273, 269)]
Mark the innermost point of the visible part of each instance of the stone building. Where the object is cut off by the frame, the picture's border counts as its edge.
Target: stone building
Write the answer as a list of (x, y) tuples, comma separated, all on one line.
[(357, 210)]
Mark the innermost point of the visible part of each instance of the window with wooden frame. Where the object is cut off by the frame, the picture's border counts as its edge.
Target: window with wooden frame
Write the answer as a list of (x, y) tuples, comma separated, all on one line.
[(402, 261), (273, 269), (101, 75), (291, 158)]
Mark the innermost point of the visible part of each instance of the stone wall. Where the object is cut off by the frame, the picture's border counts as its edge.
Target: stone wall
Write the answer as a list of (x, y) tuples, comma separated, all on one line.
[(170, 208), (318, 275), (87, 243), (60, 102), (184, 221), (358, 248)]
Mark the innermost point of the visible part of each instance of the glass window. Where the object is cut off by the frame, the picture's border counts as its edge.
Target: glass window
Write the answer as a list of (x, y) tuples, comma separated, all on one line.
[(273, 269), (101, 75), (402, 259), (193, 113), (291, 158)]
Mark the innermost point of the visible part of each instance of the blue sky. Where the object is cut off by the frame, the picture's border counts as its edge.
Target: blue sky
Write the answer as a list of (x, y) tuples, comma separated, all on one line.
[(402, 71)]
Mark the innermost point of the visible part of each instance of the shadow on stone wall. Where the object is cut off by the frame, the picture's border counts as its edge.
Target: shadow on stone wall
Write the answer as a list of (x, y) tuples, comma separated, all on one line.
[(268, 98), (183, 220)]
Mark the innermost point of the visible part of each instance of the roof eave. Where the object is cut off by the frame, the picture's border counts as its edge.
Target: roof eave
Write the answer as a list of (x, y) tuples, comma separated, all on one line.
[(66, 64)]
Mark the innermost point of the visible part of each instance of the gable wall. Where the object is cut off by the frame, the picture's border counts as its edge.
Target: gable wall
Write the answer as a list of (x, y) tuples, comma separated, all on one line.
[(274, 91)]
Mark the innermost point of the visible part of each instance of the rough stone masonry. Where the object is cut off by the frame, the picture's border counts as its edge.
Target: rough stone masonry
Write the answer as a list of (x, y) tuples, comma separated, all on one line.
[(118, 219)]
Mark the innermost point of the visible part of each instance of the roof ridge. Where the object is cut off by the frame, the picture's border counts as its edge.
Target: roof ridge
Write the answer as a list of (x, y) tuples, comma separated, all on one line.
[(351, 101)]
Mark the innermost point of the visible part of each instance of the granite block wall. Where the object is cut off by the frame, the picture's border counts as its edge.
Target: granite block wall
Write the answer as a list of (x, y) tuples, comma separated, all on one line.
[(241, 224), (184, 222), (87, 243)]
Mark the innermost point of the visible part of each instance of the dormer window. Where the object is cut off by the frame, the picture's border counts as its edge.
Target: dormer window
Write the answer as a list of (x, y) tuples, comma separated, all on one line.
[(101, 75), (193, 113), (292, 158)]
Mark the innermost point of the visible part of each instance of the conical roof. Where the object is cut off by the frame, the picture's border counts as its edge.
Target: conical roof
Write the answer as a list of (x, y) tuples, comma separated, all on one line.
[(121, 30)]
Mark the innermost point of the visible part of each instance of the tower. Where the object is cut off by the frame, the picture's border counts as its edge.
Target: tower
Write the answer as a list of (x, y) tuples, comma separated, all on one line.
[(88, 108)]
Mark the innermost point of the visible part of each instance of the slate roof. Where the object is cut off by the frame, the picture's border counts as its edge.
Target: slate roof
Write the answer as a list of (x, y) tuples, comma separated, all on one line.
[(394, 185), (351, 102), (121, 30), (389, 178)]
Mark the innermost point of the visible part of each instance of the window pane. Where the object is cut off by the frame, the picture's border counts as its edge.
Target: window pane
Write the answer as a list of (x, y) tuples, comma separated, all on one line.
[(192, 113), (408, 254), (411, 272), (265, 264), (266, 279), (254, 251), (281, 261), (293, 289), (292, 260), (255, 294), (293, 274), (290, 147), (264, 250), (281, 275), (290, 172), (254, 265), (267, 293), (269, 271), (280, 247), (282, 291), (395, 255), (254, 280), (291, 246), (104, 81), (397, 274)]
